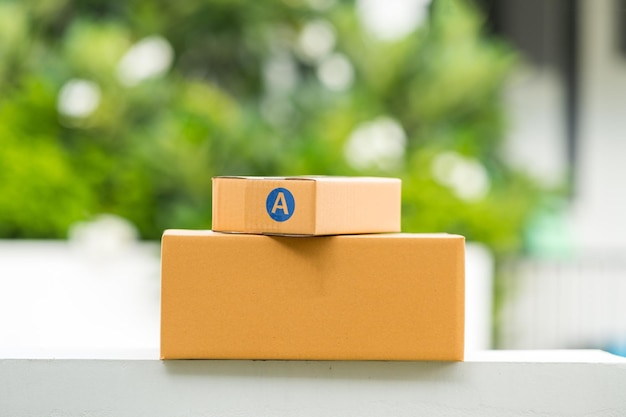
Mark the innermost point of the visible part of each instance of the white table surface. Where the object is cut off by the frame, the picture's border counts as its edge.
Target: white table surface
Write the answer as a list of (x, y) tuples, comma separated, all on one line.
[(493, 383)]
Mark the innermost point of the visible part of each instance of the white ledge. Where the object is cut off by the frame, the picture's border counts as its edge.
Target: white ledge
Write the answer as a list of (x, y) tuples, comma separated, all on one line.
[(492, 383)]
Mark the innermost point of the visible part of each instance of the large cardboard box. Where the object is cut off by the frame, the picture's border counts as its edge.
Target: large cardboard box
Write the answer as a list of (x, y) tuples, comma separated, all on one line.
[(350, 297), (306, 205)]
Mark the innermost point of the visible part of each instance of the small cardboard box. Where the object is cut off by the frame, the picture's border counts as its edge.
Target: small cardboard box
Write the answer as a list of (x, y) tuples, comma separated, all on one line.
[(306, 205), (350, 297)]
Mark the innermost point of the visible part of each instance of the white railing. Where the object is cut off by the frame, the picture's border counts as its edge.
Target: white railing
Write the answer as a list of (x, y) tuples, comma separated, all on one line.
[(578, 303)]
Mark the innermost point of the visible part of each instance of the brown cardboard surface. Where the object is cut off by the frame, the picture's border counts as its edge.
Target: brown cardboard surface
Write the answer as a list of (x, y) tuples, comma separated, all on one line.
[(351, 297), (321, 205)]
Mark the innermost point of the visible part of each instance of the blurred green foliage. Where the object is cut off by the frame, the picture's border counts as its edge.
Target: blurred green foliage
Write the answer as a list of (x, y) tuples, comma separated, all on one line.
[(148, 151)]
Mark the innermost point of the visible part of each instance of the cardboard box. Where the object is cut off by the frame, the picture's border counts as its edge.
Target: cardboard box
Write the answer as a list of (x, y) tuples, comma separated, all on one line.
[(349, 297), (306, 205)]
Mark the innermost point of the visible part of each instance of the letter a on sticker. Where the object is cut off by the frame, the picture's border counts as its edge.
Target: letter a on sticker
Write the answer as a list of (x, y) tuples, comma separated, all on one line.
[(280, 204)]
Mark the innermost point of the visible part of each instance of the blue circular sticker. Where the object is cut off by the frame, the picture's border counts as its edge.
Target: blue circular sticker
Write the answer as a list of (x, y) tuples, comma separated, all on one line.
[(280, 204)]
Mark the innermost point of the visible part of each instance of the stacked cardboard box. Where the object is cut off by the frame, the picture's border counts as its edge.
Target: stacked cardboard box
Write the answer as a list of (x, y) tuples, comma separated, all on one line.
[(352, 288)]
